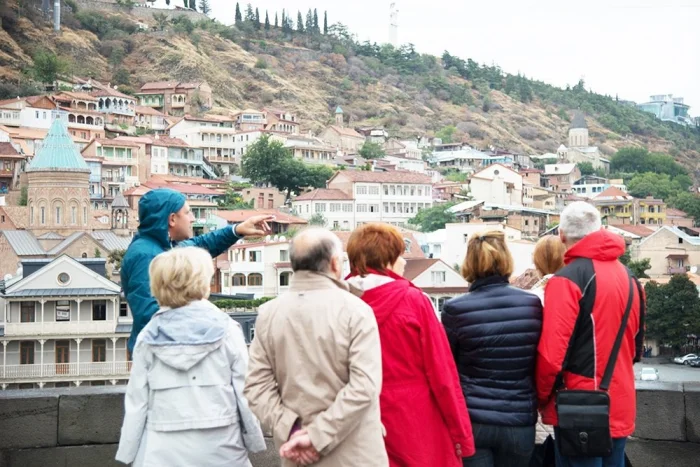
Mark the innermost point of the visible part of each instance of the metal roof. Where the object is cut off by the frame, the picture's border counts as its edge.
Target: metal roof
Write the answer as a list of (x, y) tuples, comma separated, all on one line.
[(50, 236), (24, 243), (579, 121), (111, 241), (123, 328), (65, 243), (28, 293), (120, 202), (58, 152)]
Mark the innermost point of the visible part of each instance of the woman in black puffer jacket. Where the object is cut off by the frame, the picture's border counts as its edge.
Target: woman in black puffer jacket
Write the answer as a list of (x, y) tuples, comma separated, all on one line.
[(494, 330)]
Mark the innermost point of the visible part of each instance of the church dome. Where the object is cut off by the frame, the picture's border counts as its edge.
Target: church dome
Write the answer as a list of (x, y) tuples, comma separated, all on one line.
[(58, 152), (579, 121)]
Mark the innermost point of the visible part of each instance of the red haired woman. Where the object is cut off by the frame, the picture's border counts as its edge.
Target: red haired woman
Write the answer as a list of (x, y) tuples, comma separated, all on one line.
[(422, 405)]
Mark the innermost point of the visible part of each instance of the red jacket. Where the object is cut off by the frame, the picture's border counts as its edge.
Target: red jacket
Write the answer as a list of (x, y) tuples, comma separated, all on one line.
[(592, 272), (422, 405)]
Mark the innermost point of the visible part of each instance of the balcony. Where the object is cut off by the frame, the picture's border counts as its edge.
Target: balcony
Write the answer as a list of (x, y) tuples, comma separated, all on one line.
[(10, 118), (114, 179), (65, 370), (674, 271), (59, 328), (95, 195)]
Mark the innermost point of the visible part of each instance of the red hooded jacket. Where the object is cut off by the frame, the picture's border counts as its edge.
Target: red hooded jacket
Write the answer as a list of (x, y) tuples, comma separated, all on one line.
[(596, 283), (422, 404)]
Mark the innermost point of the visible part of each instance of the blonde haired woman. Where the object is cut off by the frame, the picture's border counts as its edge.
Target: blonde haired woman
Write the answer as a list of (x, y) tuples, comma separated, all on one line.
[(493, 331), (184, 403), (548, 258)]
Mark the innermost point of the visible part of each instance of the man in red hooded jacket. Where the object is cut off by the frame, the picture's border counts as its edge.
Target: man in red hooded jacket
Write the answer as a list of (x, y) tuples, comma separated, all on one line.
[(595, 285)]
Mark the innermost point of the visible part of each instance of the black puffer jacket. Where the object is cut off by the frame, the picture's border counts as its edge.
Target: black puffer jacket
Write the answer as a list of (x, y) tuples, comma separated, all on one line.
[(494, 331)]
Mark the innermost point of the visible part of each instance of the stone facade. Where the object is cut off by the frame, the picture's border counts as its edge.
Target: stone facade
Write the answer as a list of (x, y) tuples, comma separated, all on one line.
[(59, 202)]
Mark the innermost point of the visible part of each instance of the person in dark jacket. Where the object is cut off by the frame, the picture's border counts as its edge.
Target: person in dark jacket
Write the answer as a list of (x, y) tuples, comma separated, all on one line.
[(165, 220), (493, 331)]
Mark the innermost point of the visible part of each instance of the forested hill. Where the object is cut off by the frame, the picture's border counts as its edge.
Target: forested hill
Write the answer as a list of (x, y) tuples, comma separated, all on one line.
[(272, 63)]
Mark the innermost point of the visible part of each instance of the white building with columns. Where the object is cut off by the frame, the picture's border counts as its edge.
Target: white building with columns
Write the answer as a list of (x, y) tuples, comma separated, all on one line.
[(63, 325)]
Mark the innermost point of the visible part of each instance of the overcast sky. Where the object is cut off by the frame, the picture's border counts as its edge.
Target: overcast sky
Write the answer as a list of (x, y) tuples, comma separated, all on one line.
[(634, 48)]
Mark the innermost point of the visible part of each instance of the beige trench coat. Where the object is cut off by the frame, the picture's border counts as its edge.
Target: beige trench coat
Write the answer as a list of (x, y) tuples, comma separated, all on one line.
[(316, 356)]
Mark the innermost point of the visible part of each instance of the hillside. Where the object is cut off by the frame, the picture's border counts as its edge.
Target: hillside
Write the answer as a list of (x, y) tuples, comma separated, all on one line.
[(310, 74)]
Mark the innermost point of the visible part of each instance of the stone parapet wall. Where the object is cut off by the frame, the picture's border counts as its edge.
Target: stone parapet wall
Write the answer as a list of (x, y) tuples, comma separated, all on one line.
[(140, 12), (81, 426)]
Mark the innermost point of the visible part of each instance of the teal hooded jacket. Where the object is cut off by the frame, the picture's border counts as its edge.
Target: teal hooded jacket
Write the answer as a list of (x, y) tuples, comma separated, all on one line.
[(152, 239)]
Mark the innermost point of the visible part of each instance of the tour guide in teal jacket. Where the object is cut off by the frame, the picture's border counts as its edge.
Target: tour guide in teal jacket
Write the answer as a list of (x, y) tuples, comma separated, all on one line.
[(165, 220)]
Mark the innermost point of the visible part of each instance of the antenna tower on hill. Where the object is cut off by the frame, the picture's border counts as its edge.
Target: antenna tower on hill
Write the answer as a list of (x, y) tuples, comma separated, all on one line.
[(394, 25)]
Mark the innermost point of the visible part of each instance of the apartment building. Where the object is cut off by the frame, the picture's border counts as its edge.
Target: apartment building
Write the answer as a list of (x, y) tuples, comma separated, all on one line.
[(84, 120), (11, 162), (497, 184), (121, 164), (590, 186), (36, 112), (64, 325), (617, 207), (354, 197), (281, 121), (118, 108), (437, 279), (176, 98), (561, 177), (150, 119)]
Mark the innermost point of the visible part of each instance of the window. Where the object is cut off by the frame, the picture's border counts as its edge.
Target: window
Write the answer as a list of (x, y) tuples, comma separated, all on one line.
[(361, 190), (335, 207), (284, 279), (373, 208), (27, 312), (85, 215), (438, 277), (336, 225), (99, 310), (26, 353), (64, 278), (284, 256), (374, 190), (527, 222), (238, 280), (251, 333), (347, 207), (58, 214), (255, 280), (361, 208), (99, 350), (73, 215), (63, 310), (466, 238), (680, 240), (255, 256), (320, 207), (123, 310), (43, 215)]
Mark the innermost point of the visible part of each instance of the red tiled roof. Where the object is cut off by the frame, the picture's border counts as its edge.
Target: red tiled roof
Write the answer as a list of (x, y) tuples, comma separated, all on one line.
[(168, 85), (7, 149), (185, 189), (672, 212), (346, 131), (168, 141), (324, 194), (243, 214), (394, 176), (110, 92), (74, 95), (416, 267), (140, 109), (116, 142), (613, 192), (639, 230), (19, 215)]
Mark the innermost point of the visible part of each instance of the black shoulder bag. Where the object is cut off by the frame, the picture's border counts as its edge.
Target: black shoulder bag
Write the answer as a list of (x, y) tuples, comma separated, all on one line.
[(584, 416)]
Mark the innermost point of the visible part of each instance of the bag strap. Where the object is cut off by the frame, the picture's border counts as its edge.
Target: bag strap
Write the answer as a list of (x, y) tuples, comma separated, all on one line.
[(610, 367)]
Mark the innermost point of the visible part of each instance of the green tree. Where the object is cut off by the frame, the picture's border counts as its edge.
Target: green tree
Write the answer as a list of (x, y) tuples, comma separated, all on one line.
[(300, 22), (256, 21), (310, 22), (688, 203), (317, 30), (267, 21), (276, 23), (318, 220), (435, 218), (204, 7), (115, 258), (47, 66), (269, 162), (233, 199), (586, 168), (640, 268), (525, 91), (23, 195), (325, 23), (673, 310), (161, 20), (640, 160), (446, 134), (239, 16), (660, 186), (98, 253), (370, 150), (249, 13)]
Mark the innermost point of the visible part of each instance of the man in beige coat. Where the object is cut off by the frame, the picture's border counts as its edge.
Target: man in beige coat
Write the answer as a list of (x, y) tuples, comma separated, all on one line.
[(315, 370)]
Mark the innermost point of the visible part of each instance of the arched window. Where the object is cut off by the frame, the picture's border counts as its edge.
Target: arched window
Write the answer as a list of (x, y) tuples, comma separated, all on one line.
[(284, 279), (74, 215), (57, 218), (238, 280), (84, 255), (43, 215), (85, 216), (31, 214), (255, 280), (71, 118)]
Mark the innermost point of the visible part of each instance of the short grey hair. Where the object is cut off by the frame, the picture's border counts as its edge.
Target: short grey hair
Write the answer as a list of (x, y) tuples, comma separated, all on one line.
[(313, 250), (578, 220)]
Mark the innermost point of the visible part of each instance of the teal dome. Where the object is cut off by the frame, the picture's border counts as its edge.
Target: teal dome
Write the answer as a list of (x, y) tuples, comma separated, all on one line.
[(58, 152), (338, 110)]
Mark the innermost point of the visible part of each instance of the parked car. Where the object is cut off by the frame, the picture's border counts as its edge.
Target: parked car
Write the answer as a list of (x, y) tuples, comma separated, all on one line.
[(695, 363), (649, 374), (685, 360)]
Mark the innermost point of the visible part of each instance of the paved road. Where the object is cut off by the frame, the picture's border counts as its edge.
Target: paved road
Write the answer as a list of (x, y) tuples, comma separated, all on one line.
[(671, 373)]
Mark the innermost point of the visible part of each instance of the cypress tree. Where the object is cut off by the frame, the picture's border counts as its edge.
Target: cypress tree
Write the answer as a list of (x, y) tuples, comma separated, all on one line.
[(239, 17), (276, 24), (309, 22), (300, 22), (325, 22), (256, 20), (316, 28), (267, 21)]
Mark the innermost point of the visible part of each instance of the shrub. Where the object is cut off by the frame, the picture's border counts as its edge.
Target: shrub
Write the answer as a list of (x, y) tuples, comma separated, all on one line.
[(247, 304), (261, 64), (528, 132)]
